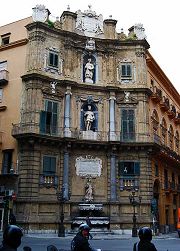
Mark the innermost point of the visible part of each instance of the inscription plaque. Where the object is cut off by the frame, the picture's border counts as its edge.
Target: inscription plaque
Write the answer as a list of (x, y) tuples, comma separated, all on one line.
[(88, 166)]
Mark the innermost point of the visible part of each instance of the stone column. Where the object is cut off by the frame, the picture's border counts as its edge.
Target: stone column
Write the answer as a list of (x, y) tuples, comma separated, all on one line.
[(112, 117), (65, 186), (113, 177), (67, 106)]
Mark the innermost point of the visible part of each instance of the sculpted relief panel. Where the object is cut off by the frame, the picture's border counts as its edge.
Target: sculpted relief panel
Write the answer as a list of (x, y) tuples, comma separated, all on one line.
[(88, 23)]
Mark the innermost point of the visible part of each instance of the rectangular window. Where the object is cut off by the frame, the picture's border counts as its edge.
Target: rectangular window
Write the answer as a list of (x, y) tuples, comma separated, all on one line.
[(53, 59), (156, 169), (48, 118), (128, 125), (129, 168), (126, 71), (5, 38), (7, 161), (166, 185), (49, 165)]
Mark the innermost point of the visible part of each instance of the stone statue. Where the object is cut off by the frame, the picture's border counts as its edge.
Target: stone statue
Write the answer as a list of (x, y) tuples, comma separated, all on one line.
[(88, 192), (89, 71), (89, 118), (90, 44), (53, 87), (126, 96)]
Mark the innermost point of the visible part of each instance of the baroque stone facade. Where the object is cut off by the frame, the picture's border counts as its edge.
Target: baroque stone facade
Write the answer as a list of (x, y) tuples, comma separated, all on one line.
[(85, 137)]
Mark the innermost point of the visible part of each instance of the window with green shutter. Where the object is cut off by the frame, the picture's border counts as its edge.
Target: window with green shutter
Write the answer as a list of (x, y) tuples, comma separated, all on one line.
[(48, 118), (126, 70), (49, 165), (128, 125), (53, 59)]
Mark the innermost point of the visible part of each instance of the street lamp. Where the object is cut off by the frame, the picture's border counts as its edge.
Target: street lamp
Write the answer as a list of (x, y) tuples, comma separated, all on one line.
[(134, 203)]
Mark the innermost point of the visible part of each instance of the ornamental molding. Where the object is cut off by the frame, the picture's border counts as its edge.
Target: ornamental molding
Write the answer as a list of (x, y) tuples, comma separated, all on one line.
[(89, 23)]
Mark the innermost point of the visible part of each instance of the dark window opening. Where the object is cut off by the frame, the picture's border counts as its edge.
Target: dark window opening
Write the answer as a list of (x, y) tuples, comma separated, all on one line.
[(129, 168), (156, 169), (126, 70), (5, 40), (165, 179), (7, 161), (48, 118), (53, 59)]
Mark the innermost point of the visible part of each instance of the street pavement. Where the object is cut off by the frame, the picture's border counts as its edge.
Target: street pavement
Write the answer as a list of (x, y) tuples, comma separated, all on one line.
[(103, 237), (107, 242)]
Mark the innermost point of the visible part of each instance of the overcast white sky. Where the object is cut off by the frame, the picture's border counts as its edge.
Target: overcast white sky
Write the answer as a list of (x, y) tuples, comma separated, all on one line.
[(159, 18)]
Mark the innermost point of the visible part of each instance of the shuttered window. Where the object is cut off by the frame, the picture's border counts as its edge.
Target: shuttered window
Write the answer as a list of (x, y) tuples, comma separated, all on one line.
[(126, 70), (127, 125), (49, 165), (53, 59), (48, 118)]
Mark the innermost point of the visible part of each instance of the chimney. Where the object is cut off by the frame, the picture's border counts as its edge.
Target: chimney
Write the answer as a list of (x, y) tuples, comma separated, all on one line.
[(68, 20), (110, 28)]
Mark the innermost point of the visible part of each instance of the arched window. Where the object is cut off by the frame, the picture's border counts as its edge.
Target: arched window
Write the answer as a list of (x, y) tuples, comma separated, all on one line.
[(177, 142), (155, 125), (171, 135), (164, 132)]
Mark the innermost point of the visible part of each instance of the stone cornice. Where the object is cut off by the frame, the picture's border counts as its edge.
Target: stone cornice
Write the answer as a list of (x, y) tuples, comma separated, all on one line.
[(165, 82), (79, 41)]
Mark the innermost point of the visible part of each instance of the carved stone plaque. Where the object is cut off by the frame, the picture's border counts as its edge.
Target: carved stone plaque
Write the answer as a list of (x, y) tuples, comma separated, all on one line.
[(88, 166)]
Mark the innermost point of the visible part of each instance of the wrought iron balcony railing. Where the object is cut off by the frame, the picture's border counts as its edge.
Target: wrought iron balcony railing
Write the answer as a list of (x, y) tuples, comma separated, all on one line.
[(23, 129)]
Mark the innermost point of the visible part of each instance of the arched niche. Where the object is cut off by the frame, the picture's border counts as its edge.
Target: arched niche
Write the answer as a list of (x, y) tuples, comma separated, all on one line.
[(89, 69), (84, 108)]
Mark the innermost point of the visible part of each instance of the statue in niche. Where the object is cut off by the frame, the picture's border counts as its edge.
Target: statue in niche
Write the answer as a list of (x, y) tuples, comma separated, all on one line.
[(89, 118), (89, 71), (88, 192)]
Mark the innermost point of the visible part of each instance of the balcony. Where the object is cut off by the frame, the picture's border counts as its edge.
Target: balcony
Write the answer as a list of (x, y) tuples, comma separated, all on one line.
[(171, 114), (9, 169), (48, 181), (156, 95), (171, 186), (177, 119), (129, 183), (32, 129), (164, 104), (4, 77)]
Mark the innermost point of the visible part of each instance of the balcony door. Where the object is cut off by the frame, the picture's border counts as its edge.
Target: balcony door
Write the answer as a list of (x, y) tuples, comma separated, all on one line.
[(48, 119), (127, 125)]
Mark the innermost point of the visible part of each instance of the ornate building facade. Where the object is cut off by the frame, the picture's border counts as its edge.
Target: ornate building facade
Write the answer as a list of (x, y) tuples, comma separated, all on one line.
[(96, 119)]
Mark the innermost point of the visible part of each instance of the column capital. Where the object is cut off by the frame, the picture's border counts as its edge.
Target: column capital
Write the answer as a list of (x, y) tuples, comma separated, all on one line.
[(112, 98), (68, 90)]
